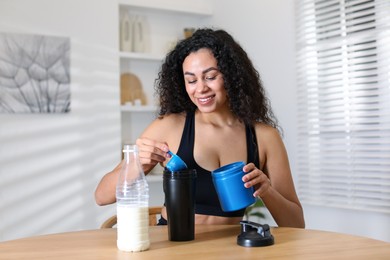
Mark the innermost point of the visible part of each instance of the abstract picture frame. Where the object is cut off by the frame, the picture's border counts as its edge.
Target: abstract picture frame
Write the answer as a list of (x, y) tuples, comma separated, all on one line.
[(34, 73)]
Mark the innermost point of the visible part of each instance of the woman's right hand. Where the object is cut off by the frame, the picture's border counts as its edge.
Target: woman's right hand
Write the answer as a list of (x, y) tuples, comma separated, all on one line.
[(151, 152)]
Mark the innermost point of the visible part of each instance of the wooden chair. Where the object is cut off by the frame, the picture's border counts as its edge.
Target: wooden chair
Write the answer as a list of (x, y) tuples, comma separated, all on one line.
[(153, 213)]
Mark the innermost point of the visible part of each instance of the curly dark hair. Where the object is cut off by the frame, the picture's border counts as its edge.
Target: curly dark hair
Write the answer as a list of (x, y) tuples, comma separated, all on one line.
[(245, 91)]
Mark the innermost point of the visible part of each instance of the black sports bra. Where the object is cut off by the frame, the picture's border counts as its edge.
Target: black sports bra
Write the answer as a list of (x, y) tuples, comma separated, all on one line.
[(206, 199)]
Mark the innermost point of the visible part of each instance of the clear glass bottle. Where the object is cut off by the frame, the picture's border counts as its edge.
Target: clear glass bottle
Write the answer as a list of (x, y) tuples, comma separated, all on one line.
[(132, 198)]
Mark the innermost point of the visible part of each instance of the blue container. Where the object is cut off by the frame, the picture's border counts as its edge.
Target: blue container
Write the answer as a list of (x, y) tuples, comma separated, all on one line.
[(230, 188)]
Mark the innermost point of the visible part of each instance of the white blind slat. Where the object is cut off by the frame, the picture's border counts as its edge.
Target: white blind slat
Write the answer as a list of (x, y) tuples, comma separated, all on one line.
[(343, 76)]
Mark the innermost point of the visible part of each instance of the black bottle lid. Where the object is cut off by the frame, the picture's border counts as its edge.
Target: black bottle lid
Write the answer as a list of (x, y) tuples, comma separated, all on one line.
[(254, 235)]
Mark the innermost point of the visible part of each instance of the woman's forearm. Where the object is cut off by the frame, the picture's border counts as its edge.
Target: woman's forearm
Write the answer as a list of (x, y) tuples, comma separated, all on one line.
[(105, 191), (285, 213)]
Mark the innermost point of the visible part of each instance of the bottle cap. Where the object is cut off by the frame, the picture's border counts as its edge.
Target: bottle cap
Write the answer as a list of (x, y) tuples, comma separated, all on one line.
[(254, 235)]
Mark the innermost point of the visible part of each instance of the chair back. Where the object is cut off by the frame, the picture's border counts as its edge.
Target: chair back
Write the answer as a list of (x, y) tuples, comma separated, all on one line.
[(154, 212)]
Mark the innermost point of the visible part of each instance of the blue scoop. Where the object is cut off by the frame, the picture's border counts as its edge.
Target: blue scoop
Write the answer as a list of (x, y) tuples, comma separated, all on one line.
[(175, 163)]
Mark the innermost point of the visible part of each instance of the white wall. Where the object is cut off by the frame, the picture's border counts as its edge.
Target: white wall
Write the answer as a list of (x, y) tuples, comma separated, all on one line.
[(50, 163)]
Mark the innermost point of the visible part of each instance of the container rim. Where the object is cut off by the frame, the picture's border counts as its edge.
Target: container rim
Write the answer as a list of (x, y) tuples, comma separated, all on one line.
[(229, 167)]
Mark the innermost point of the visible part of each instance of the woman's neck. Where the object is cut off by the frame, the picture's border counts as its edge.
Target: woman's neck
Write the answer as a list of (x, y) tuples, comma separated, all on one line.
[(220, 118)]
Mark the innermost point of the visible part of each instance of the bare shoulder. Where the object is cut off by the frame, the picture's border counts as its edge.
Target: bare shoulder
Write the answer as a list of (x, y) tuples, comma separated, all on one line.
[(266, 131), (167, 128), (167, 120), (268, 136)]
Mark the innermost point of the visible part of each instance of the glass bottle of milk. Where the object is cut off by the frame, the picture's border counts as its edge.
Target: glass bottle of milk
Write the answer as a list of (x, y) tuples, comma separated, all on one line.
[(132, 198)]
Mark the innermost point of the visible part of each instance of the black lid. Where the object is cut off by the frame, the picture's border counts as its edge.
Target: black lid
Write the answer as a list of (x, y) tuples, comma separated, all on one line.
[(254, 235)]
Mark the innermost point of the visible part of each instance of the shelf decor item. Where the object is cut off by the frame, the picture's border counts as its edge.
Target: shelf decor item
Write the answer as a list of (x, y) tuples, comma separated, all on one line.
[(188, 31), (134, 33), (140, 34), (126, 32), (131, 90)]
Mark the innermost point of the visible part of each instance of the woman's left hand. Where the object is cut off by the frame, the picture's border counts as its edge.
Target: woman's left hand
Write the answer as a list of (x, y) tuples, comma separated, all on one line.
[(256, 178)]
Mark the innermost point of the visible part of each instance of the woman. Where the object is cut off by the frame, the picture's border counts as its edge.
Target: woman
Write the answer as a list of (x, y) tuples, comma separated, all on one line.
[(214, 111)]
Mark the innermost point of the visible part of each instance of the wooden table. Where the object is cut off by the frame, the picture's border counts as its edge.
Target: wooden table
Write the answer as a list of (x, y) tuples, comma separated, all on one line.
[(211, 242)]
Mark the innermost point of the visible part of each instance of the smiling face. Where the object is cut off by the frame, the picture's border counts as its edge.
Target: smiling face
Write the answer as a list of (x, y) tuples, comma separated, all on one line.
[(204, 82)]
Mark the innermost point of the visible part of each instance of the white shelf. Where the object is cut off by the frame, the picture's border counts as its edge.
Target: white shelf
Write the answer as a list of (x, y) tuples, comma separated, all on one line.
[(127, 108), (202, 8), (141, 56)]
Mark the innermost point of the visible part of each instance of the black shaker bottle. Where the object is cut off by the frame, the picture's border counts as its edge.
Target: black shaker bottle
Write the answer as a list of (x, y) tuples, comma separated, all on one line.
[(179, 188)]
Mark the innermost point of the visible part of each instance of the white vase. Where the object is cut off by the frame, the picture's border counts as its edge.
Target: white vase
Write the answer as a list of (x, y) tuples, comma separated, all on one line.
[(126, 32), (139, 34)]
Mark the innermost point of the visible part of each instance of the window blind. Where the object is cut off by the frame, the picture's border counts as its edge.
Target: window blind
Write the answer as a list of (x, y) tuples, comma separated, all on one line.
[(343, 75)]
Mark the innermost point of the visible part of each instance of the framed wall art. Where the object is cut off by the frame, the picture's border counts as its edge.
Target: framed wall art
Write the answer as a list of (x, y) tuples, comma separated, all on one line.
[(34, 73)]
